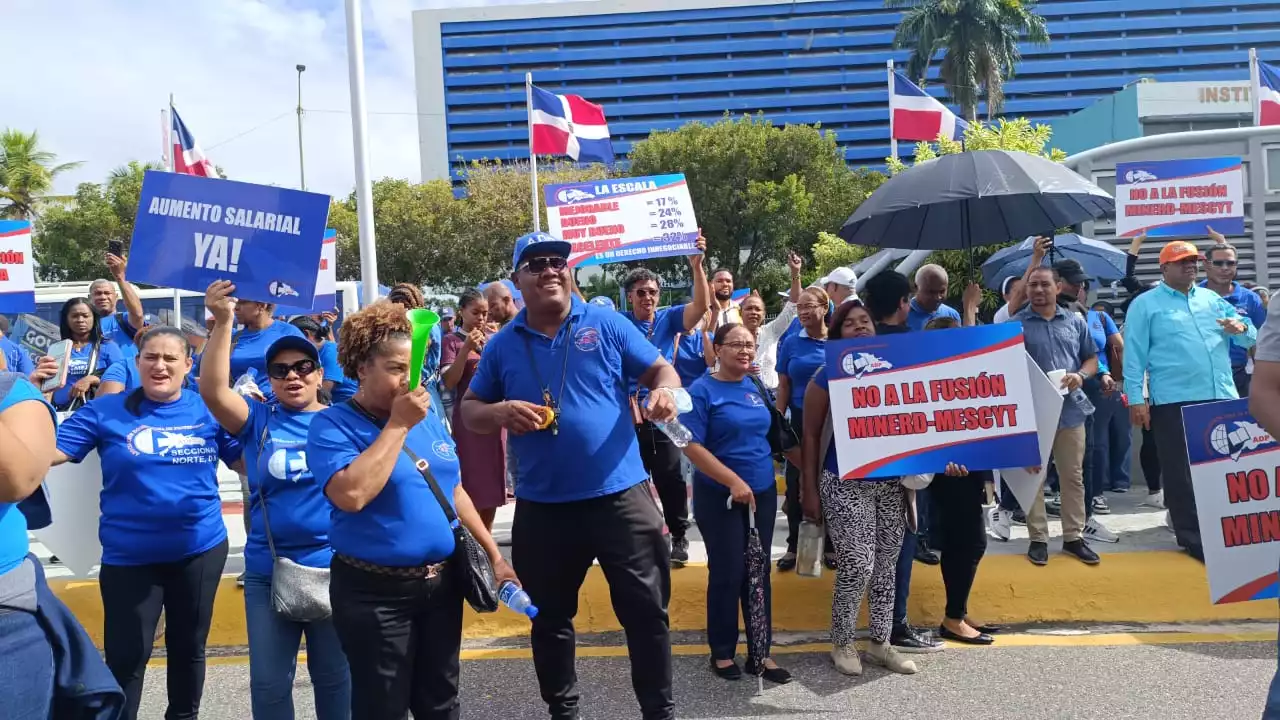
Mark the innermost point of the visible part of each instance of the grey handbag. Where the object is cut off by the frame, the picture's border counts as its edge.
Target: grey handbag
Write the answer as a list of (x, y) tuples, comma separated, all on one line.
[(298, 592)]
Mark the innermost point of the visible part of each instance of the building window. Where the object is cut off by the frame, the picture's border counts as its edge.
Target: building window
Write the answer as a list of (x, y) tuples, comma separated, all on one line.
[(1106, 181), (1273, 168)]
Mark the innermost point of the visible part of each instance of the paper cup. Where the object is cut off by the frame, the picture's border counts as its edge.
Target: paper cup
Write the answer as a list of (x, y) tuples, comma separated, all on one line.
[(1055, 377)]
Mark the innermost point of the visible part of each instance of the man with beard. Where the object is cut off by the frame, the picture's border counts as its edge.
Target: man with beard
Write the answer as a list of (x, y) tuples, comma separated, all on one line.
[(662, 328), (556, 379), (102, 293), (724, 310)]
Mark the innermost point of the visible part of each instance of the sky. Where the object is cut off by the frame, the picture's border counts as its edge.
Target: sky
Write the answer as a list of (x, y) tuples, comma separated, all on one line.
[(97, 73)]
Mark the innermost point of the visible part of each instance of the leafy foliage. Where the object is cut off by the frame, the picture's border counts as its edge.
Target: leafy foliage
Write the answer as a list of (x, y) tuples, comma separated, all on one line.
[(26, 174)]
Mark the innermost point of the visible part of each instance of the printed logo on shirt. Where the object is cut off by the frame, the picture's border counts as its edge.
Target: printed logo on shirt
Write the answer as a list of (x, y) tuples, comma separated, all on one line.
[(755, 400), (443, 450), (79, 366), (288, 464), (178, 444), (586, 339)]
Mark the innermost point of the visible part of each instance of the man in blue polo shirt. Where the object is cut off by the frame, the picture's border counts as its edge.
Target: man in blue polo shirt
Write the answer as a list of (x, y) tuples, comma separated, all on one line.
[(116, 326), (931, 289), (580, 481), (1220, 277)]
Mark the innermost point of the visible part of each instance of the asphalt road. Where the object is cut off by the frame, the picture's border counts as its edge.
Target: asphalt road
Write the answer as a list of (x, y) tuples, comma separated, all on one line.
[(1166, 682)]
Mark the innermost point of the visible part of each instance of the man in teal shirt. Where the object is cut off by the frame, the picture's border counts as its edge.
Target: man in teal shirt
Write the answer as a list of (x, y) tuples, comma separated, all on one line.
[(1178, 336)]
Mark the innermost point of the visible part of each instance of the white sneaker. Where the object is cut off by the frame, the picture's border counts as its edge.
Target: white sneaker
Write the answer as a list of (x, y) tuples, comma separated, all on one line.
[(846, 659), (884, 655), (1155, 499), (1094, 530), (999, 522), (1168, 520)]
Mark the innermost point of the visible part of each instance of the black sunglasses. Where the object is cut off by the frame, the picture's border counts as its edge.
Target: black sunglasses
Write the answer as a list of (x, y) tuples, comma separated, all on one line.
[(1224, 263), (280, 371), (539, 265)]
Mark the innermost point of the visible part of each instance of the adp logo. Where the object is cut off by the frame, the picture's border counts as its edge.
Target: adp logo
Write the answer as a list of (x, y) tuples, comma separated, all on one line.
[(1244, 437), (1139, 176), (573, 195), (858, 364)]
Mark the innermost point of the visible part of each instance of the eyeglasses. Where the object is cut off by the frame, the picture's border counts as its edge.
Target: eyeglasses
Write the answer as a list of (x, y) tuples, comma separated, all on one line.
[(647, 292), (739, 346), (539, 265), (280, 371), (1224, 263), (811, 306)]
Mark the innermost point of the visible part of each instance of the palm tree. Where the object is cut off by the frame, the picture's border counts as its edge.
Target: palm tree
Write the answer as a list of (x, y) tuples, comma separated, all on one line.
[(26, 173), (980, 43)]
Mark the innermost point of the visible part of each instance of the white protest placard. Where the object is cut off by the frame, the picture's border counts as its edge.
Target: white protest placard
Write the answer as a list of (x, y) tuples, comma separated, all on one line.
[(912, 403), (1173, 198), (73, 491), (17, 267), (1047, 401), (1235, 468), (623, 219)]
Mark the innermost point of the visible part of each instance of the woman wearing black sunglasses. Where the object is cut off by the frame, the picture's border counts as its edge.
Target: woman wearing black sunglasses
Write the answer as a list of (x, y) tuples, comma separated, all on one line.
[(289, 515)]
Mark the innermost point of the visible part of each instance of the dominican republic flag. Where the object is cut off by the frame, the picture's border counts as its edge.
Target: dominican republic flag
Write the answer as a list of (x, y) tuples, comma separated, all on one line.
[(188, 159), (568, 125), (918, 116), (1268, 94)]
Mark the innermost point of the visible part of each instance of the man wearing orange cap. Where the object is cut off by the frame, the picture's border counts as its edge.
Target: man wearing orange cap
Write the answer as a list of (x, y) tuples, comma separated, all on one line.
[(1178, 335)]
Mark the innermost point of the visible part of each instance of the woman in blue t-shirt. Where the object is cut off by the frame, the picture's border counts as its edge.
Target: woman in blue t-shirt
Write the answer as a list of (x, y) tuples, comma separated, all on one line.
[(396, 604), (336, 383), (163, 540), (289, 515), (799, 356), (91, 354), (733, 477)]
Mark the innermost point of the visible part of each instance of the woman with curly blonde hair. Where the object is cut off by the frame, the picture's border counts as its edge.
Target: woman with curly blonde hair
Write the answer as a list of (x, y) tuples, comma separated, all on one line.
[(396, 606)]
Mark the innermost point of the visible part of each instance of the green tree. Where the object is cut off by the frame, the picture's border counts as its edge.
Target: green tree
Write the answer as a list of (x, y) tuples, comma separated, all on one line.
[(979, 40), (758, 190), (26, 174), (831, 252)]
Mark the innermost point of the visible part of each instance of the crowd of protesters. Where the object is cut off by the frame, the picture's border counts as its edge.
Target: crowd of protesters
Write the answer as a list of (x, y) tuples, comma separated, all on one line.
[(351, 478)]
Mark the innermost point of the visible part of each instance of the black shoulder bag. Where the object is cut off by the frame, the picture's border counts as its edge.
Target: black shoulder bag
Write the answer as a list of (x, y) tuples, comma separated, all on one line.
[(470, 564), (782, 437)]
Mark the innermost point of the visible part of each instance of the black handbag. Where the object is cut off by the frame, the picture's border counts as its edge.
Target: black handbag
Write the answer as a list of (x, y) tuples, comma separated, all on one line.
[(782, 437), (470, 564)]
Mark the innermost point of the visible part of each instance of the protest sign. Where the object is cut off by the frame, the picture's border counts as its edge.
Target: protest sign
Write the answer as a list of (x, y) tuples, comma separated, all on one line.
[(192, 230), (326, 281), (624, 219), (1047, 402), (34, 334), (1170, 198), (1235, 471), (17, 267), (911, 403)]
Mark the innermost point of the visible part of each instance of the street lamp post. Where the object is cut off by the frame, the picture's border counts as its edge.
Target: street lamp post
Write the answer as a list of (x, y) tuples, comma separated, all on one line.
[(302, 173)]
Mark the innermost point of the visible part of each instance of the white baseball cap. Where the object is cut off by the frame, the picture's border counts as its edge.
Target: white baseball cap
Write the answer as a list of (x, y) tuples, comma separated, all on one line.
[(840, 276)]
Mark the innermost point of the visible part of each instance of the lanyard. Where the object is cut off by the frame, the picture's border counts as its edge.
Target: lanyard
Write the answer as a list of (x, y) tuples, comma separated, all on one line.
[(551, 401)]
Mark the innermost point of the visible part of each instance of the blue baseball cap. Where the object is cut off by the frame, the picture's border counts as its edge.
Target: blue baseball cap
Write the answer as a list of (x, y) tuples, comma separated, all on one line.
[(603, 301), (541, 241), (293, 342)]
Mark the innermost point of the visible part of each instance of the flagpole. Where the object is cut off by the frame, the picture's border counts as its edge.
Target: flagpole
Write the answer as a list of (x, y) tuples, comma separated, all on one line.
[(533, 159), (893, 142), (1255, 85), (165, 147), (169, 166), (360, 134)]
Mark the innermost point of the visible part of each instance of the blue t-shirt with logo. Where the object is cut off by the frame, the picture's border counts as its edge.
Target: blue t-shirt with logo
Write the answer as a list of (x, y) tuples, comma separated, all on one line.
[(78, 367), (159, 475), (731, 420), (274, 439), (126, 373), (1248, 304), (344, 388), (249, 352), (595, 452), (660, 332), (690, 362), (917, 317), (17, 360), (116, 328), (1101, 327), (799, 356), (404, 525), (13, 524)]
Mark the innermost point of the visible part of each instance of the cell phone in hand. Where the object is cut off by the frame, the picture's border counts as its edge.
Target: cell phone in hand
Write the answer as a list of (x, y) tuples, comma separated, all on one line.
[(60, 351), (116, 247)]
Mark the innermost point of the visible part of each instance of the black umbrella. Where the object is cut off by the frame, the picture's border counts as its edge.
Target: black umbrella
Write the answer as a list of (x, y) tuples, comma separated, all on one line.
[(756, 613), (974, 198)]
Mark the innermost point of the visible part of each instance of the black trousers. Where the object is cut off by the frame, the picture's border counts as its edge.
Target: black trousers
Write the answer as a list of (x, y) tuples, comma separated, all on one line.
[(1149, 459), (1179, 493), (132, 598), (960, 533), (553, 546), (662, 460), (401, 637)]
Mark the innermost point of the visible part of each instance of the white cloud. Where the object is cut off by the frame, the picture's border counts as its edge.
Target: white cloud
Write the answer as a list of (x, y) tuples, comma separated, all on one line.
[(98, 73)]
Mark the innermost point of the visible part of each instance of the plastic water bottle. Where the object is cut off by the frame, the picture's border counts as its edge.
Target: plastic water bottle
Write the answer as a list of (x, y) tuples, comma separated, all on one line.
[(517, 599), (679, 434), (809, 549)]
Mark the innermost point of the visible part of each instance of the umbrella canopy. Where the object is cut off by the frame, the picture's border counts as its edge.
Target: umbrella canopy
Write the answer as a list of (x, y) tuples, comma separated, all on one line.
[(974, 198), (756, 613), (1100, 260)]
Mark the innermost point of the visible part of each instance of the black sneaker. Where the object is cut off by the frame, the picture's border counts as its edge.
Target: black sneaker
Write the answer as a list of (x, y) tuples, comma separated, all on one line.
[(926, 555), (1100, 506), (787, 562), (679, 551), (906, 639), (1019, 517), (1038, 553), (1081, 551), (1053, 507)]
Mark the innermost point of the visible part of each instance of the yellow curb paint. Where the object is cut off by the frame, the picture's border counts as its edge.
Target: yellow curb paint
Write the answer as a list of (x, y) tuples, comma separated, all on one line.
[(1139, 587), (1002, 641)]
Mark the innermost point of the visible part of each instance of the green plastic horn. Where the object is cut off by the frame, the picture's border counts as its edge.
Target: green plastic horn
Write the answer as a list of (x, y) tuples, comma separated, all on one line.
[(421, 321)]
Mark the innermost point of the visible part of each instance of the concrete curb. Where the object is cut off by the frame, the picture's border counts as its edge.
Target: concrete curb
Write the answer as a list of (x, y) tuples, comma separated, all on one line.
[(1134, 587)]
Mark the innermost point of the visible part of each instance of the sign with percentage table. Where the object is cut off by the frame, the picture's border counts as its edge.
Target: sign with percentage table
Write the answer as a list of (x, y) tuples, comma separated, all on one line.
[(623, 219)]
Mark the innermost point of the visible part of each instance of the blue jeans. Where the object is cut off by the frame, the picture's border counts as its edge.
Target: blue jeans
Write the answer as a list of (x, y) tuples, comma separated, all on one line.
[(26, 667), (903, 579), (1114, 444), (273, 658)]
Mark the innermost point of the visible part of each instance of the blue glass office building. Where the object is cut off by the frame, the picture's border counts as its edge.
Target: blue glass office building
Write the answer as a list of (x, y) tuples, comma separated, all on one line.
[(656, 65)]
